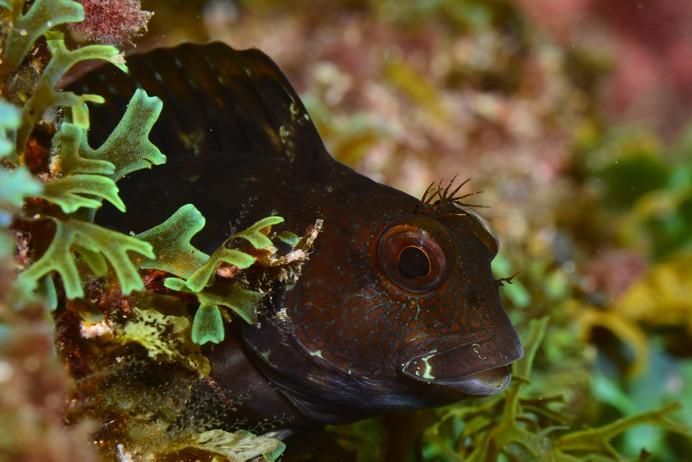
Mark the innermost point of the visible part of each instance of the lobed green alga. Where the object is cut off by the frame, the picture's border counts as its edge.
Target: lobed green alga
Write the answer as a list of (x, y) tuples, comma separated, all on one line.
[(49, 195)]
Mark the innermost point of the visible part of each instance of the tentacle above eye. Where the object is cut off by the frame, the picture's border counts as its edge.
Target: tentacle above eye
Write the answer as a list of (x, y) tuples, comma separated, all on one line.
[(439, 196)]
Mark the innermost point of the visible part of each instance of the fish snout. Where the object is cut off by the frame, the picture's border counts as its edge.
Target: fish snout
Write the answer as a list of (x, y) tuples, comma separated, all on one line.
[(476, 364)]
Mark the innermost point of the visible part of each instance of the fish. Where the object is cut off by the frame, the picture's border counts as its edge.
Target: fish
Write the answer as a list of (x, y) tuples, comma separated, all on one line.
[(397, 307)]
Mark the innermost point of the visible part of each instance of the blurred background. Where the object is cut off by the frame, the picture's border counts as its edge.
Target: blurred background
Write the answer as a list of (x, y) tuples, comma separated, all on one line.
[(573, 118)]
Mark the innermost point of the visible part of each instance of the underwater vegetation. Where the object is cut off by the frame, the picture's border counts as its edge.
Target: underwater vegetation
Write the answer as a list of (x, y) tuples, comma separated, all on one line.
[(52, 182), (602, 297)]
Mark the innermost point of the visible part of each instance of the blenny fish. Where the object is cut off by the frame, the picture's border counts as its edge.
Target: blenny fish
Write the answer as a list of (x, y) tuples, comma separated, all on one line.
[(396, 309)]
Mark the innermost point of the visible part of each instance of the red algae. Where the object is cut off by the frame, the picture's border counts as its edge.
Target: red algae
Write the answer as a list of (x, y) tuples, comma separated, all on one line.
[(115, 22)]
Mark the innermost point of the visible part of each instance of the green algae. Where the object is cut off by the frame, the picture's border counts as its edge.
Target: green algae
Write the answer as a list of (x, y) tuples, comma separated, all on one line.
[(97, 245), (44, 94), (128, 147), (52, 207), (165, 337), (15, 184), (171, 242), (257, 233), (26, 28), (81, 177), (196, 271), (532, 427), (240, 445), (207, 326)]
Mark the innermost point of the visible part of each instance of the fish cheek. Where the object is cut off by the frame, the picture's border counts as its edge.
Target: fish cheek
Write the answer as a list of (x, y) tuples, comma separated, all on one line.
[(335, 311), (357, 332), (440, 313)]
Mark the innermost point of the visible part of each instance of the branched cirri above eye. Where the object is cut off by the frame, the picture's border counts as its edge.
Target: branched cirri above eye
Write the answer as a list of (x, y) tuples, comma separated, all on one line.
[(441, 197), (448, 200)]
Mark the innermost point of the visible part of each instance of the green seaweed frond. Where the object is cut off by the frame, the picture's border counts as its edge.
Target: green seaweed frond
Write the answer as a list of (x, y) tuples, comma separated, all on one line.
[(83, 178), (76, 191), (128, 147), (242, 301), (598, 440), (15, 184), (288, 238), (204, 274), (97, 246), (195, 271), (27, 27), (180, 258), (45, 95), (9, 121), (83, 182), (171, 242), (257, 233), (239, 446), (89, 175), (78, 106), (207, 325), (69, 159)]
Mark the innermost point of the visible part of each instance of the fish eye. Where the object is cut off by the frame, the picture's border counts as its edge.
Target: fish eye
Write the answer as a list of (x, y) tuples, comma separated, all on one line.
[(411, 258), (414, 262)]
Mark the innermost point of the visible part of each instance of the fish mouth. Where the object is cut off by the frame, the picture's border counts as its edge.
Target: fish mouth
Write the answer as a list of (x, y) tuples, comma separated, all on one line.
[(476, 364)]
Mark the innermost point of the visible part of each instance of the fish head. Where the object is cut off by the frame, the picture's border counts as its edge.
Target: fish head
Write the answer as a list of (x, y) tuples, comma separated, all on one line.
[(396, 309)]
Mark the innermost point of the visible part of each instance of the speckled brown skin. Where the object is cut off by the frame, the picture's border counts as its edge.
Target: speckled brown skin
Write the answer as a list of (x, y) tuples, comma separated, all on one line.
[(347, 341)]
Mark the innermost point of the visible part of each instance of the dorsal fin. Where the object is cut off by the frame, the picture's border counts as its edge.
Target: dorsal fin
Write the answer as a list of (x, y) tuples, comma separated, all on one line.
[(217, 100), (237, 138)]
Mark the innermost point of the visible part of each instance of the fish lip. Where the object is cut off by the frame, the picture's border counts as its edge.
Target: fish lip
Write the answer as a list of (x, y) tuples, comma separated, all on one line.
[(484, 383), (487, 375)]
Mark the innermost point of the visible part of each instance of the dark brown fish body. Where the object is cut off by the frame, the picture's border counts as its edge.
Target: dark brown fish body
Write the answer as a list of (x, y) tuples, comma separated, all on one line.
[(397, 307)]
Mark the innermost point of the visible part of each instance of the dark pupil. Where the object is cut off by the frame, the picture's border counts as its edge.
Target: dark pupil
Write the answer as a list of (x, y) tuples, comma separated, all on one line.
[(413, 262)]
